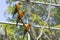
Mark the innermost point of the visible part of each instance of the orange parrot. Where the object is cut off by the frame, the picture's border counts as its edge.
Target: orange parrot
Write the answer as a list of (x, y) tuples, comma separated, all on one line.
[(17, 8), (21, 14), (26, 29)]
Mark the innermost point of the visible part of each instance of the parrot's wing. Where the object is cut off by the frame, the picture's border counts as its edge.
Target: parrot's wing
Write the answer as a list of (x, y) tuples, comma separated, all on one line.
[(15, 10)]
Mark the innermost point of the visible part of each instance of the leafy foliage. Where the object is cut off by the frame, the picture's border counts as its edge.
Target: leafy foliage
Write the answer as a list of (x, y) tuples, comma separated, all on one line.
[(39, 14)]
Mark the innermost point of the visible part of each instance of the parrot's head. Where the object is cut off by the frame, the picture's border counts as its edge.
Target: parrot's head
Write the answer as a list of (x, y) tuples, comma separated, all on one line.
[(19, 3), (29, 24)]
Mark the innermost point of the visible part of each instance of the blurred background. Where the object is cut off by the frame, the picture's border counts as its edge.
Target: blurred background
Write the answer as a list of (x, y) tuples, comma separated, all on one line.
[(39, 12)]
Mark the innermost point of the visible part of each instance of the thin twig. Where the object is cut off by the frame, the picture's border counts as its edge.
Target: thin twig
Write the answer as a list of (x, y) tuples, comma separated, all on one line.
[(37, 26), (32, 31), (47, 36), (45, 22), (27, 29), (38, 2)]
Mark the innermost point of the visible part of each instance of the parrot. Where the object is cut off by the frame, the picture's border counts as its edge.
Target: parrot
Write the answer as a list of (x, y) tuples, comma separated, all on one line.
[(17, 8), (21, 14), (26, 29)]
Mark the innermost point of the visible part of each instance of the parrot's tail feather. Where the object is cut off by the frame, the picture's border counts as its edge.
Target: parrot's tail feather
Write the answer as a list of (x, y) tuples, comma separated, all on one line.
[(13, 14), (23, 37), (17, 22), (24, 34), (15, 11)]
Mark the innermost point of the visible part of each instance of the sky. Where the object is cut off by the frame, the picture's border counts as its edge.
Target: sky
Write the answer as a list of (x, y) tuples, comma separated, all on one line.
[(3, 7)]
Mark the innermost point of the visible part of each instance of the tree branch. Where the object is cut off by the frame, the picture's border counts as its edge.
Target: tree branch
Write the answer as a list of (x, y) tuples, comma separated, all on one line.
[(32, 31), (45, 22), (27, 29)]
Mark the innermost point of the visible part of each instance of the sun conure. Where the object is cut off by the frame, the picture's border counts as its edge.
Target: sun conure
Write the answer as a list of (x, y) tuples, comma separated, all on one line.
[(21, 14), (26, 29), (17, 8)]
